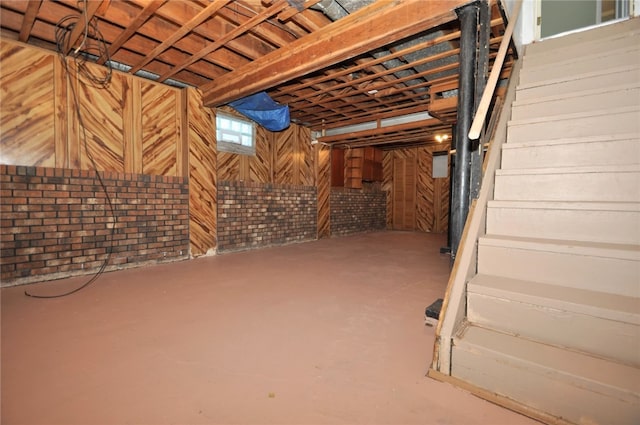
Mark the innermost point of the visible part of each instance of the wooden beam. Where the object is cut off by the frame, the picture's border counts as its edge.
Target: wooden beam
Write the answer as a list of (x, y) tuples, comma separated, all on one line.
[(29, 18), (256, 20), (202, 16), (371, 27), (89, 10), (142, 17)]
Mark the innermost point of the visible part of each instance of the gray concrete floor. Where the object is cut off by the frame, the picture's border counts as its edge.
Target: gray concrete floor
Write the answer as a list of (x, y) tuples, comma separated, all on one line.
[(326, 332)]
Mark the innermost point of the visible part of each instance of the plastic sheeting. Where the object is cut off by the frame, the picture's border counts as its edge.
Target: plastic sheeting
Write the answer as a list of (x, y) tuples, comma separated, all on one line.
[(263, 110)]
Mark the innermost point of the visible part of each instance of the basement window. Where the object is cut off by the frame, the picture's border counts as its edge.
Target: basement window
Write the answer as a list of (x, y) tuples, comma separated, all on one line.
[(235, 135)]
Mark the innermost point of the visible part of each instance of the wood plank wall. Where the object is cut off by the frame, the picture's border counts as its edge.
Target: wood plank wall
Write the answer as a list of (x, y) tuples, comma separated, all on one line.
[(323, 173), (202, 176), (432, 195), (132, 126)]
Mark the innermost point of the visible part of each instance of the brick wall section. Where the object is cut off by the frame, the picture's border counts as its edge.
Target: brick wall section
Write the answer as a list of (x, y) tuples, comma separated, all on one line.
[(253, 215), (355, 211), (57, 222)]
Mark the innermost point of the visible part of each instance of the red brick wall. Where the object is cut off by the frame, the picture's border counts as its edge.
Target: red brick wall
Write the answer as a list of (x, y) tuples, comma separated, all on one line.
[(357, 210), (57, 222), (253, 215)]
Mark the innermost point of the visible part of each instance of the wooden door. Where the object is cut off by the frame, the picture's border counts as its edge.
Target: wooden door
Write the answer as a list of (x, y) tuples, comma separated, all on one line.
[(404, 193)]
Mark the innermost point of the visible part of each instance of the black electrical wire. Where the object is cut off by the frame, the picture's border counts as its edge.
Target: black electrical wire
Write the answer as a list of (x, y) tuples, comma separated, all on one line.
[(63, 30)]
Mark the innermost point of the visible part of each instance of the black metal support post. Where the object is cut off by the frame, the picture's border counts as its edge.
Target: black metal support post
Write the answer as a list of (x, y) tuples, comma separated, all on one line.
[(482, 73), (468, 16)]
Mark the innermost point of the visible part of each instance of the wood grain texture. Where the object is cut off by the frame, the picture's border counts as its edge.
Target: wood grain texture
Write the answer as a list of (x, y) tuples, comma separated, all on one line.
[(431, 203), (228, 166), (27, 135), (387, 184), (202, 176), (425, 216), (102, 116), (261, 165), (285, 164), (304, 156), (323, 183), (160, 129), (61, 123)]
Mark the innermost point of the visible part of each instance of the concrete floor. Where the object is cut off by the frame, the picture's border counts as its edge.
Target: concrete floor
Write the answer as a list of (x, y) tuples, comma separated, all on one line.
[(326, 332)]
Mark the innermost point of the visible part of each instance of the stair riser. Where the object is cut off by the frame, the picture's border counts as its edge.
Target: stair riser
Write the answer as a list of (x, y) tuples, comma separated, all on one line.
[(571, 84), (594, 273), (521, 382), (602, 337), (602, 187), (613, 34), (550, 57), (622, 122), (535, 74), (580, 225), (614, 152), (586, 103)]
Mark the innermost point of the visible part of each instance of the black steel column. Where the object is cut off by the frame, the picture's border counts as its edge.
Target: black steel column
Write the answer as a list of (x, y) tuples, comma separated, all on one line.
[(482, 73), (468, 16)]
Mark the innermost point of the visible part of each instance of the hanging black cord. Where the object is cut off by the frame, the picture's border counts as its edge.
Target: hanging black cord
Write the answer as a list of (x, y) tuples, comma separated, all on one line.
[(91, 31)]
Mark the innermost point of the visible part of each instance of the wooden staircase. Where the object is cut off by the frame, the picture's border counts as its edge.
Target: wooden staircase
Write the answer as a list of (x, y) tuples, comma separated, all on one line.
[(552, 323)]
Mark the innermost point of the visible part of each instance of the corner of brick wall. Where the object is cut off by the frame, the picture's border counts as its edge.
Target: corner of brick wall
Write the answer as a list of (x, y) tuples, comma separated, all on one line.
[(254, 215), (357, 210), (58, 223)]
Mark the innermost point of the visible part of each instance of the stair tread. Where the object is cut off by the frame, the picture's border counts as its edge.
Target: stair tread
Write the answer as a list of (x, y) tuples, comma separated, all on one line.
[(564, 364), (562, 51), (573, 140), (578, 76), (566, 205), (629, 252), (580, 93), (582, 169), (577, 115), (633, 50), (605, 305)]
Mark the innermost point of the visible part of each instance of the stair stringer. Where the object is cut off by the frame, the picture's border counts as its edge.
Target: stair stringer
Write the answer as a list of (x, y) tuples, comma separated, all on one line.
[(465, 266)]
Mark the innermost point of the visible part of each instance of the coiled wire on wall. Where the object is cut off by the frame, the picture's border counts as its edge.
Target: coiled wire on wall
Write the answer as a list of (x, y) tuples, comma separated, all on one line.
[(91, 44)]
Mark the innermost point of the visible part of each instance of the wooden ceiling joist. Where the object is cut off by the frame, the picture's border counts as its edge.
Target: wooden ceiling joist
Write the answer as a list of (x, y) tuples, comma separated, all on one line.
[(371, 27)]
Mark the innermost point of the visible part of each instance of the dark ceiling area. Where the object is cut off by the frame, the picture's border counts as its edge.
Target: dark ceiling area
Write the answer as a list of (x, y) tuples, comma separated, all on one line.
[(357, 72)]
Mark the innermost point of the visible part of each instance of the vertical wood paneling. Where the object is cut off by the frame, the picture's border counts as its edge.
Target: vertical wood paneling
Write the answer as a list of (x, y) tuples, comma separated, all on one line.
[(304, 156), (61, 123), (182, 138), (260, 168), (387, 184), (27, 107), (323, 183), (425, 216), (132, 120), (202, 175), (73, 106), (285, 166), (431, 204), (102, 112), (159, 129)]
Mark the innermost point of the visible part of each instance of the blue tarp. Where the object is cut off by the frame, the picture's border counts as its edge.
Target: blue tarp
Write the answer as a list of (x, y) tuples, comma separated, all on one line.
[(263, 110)]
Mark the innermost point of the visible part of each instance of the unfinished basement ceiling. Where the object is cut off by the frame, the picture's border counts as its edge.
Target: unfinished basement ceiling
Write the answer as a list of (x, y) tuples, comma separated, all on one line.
[(336, 63)]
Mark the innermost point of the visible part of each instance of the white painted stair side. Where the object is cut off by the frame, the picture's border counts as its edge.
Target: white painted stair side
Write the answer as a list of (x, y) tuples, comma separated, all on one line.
[(605, 325), (592, 123), (606, 222), (549, 57), (598, 267), (578, 81), (605, 150), (581, 184), (614, 58), (567, 384), (620, 96)]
